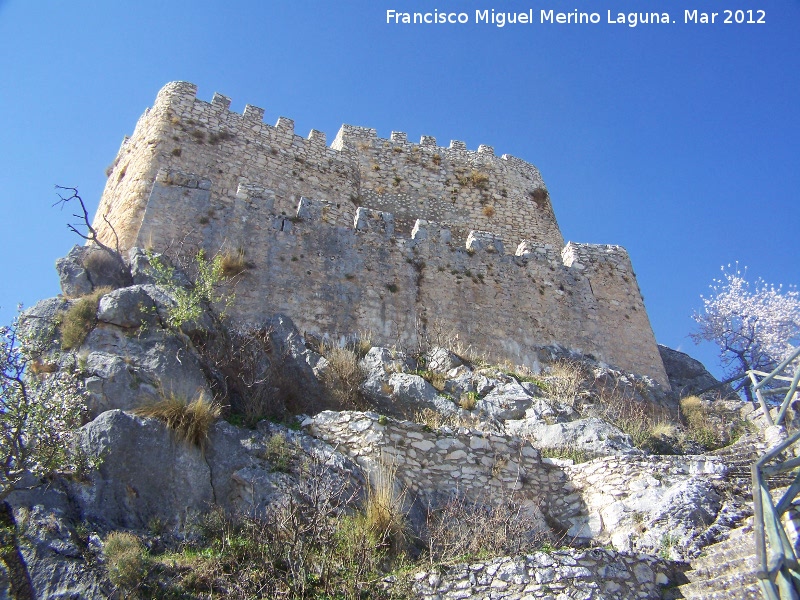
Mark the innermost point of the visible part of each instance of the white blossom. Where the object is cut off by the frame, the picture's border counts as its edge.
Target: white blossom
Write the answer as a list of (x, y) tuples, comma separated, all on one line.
[(40, 409), (755, 326)]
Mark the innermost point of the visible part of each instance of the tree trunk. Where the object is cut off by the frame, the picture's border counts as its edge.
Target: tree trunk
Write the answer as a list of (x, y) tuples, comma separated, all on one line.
[(18, 576)]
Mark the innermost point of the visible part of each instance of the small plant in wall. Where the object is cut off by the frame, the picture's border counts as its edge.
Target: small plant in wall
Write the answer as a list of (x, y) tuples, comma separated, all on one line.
[(191, 298)]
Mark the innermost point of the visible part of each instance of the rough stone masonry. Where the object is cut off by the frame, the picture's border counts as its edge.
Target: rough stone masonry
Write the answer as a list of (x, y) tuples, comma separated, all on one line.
[(375, 234)]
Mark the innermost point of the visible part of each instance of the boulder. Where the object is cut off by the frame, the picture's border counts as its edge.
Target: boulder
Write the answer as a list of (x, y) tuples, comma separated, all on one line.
[(385, 360), (506, 401), (441, 359), (688, 376), (126, 371), (247, 480), (127, 307), (86, 268), (38, 323), (412, 388), (459, 381), (168, 480), (592, 435)]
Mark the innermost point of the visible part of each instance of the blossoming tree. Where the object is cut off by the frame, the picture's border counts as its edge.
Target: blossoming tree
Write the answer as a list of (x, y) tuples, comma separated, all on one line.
[(755, 326)]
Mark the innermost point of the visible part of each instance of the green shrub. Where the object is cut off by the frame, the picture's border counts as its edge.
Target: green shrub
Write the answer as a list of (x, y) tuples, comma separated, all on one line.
[(279, 452), (126, 559), (204, 287)]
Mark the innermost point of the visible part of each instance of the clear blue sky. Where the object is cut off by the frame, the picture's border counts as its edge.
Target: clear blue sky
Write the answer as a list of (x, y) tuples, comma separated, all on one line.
[(671, 140)]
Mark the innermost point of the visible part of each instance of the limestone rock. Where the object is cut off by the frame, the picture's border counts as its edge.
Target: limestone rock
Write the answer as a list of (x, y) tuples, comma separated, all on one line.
[(550, 411), (460, 380), (412, 388), (167, 480), (688, 376), (296, 361), (127, 307), (86, 268), (72, 274), (506, 401), (385, 360), (61, 564), (246, 480), (125, 371), (441, 359), (39, 321), (591, 435)]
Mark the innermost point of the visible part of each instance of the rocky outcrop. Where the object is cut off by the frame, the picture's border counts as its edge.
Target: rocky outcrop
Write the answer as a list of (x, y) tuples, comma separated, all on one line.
[(87, 268), (592, 436), (479, 437), (688, 376)]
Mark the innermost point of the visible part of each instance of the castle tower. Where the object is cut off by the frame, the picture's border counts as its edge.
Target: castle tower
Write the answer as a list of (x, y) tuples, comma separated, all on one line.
[(370, 233)]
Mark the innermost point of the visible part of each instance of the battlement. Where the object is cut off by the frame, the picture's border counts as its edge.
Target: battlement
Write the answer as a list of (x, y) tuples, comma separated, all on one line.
[(463, 189), (180, 97), (374, 233)]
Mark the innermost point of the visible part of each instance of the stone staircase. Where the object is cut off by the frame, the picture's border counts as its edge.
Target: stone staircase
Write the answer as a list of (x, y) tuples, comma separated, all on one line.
[(726, 569)]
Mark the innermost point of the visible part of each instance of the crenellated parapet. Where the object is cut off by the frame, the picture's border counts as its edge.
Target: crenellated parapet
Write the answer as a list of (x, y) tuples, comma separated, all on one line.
[(374, 233), (463, 189)]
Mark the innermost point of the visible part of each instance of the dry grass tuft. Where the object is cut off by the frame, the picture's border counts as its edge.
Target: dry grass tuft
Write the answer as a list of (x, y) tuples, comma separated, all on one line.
[(190, 422), (233, 263), (80, 318), (383, 510), (566, 380), (343, 376), (434, 420), (468, 401), (463, 529)]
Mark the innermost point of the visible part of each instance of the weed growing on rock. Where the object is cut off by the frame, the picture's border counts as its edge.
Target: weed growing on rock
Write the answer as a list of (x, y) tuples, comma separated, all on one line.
[(233, 263), (318, 544), (575, 454), (435, 378), (279, 452), (383, 510), (565, 381), (343, 376), (80, 318), (464, 530), (203, 290), (190, 421), (468, 400), (126, 560)]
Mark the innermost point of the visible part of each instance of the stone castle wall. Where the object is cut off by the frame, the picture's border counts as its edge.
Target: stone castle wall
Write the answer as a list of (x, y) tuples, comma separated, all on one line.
[(454, 186), (197, 175)]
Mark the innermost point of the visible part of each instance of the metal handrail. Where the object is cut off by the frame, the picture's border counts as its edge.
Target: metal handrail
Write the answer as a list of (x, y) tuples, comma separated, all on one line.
[(778, 569)]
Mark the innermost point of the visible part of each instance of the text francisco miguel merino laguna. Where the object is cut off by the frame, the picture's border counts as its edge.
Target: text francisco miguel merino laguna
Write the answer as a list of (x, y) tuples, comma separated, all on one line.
[(548, 16)]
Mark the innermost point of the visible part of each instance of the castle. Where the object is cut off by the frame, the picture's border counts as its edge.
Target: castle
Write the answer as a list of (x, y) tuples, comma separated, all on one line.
[(383, 235)]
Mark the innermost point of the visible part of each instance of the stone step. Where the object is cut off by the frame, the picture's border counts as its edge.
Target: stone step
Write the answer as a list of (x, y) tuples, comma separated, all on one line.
[(749, 592), (722, 564), (739, 584), (733, 557)]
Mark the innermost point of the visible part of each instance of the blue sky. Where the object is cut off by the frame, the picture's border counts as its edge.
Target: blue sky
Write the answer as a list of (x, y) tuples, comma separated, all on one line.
[(678, 141)]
